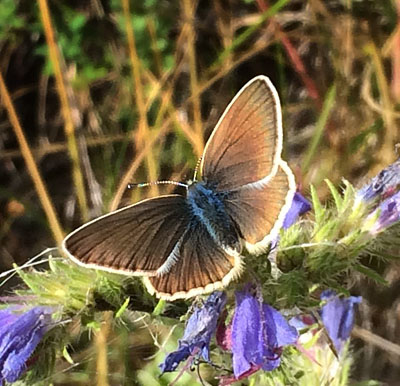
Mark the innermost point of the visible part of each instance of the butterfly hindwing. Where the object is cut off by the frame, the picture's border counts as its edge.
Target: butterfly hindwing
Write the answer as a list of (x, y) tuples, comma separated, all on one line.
[(246, 144), (259, 211), (135, 240), (202, 266)]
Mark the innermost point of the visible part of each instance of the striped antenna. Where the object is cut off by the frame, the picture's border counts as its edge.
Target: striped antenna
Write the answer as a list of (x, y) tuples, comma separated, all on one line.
[(197, 168), (144, 184)]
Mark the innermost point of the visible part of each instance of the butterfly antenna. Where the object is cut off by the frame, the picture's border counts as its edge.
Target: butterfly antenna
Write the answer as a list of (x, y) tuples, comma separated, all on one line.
[(196, 170), (144, 184)]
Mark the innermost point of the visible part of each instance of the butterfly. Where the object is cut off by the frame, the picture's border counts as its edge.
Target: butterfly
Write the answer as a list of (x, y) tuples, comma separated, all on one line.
[(187, 245)]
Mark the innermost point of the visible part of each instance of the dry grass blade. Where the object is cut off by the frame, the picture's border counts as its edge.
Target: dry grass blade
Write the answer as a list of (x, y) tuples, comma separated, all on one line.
[(66, 109), (31, 165), (387, 153), (377, 341), (143, 133), (189, 9)]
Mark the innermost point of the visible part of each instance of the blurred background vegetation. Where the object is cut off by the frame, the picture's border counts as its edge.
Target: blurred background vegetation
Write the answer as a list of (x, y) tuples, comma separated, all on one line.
[(110, 92)]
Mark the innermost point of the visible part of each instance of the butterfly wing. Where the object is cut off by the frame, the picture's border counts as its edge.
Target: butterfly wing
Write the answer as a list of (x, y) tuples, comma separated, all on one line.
[(202, 266), (246, 144), (137, 240), (259, 211)]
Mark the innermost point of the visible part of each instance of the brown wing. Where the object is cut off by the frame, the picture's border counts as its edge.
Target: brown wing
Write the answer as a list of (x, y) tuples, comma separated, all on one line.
[(259, 211), (202, 266), (246, 144), (136, 240)]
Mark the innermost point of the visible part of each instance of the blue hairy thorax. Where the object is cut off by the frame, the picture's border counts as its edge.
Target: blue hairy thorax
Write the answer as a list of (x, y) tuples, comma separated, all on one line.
[(207, 207)]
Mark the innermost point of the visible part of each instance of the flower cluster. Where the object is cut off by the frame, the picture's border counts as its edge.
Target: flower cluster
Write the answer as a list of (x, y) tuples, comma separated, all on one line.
[(383, 187), (199, 330), (255, 337), (257, 333), (384, 184)]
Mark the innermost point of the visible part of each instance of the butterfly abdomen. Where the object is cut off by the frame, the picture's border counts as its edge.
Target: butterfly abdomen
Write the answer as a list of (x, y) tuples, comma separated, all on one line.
[(207, 206)]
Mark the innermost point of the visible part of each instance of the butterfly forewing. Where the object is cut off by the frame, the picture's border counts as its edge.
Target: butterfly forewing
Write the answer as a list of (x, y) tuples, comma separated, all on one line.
[(246, 144), (203, 266), (259, 211), (134, 240)]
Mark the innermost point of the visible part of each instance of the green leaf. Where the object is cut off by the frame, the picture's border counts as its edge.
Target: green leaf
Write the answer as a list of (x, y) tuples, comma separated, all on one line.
[(316, 203), (122, 308), (159, 308), (67, 357), (335, 194), (371, 274), (77, 22), (94, 325), (329, 102), (349, 193)]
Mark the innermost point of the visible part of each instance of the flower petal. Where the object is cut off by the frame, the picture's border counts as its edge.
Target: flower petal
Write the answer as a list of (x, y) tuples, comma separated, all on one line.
[(383, 184), (19, 338), (338, 317), (299, 206), (259, 333), (278, 334), (389, 214), (172, 360), (246, 327), (285, 333)]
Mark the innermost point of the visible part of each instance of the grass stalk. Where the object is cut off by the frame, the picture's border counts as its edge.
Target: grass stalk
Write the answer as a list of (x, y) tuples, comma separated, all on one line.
[(247, 33), (157, 55), (143, 133), (396, 57), (387, 154), (327, 107), (40, 187), (101, 350), (189, 9), (69, 127)]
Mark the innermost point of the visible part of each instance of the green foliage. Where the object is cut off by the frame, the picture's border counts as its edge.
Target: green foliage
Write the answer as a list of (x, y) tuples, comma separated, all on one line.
[(322, 250), (10, 21)]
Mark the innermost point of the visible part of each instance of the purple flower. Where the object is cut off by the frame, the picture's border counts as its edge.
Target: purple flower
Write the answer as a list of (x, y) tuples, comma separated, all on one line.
[(338, 317), (20, 333), (259, 333), (299, 206), (198, 332), (384, 184), (389, 214)]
